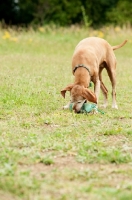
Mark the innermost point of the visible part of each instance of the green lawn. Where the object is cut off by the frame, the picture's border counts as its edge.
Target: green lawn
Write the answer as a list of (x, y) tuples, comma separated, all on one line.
[(47, 153)]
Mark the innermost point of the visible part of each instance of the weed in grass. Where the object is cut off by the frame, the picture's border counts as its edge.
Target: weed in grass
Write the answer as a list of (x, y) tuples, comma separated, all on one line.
[(47, 160)]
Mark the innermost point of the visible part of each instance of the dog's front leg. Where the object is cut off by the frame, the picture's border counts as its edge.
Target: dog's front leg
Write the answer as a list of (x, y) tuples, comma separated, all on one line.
[(105, 93), (97, 89)]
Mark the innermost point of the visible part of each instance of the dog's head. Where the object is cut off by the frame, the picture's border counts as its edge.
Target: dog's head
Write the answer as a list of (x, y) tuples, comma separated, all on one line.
[(79, 94)]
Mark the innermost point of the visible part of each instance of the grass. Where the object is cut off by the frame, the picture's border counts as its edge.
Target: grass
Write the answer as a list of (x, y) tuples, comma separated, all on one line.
[(46, 152)]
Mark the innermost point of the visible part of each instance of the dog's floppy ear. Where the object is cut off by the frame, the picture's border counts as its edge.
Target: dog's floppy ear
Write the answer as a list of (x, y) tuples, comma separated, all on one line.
[(68, 88), (89, 95)]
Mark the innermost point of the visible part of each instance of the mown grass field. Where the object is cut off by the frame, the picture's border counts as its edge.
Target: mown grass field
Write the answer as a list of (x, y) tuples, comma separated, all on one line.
[(47, 153)]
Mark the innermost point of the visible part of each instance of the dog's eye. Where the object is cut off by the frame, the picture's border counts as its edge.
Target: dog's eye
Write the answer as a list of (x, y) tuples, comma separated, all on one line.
[(79, 102)]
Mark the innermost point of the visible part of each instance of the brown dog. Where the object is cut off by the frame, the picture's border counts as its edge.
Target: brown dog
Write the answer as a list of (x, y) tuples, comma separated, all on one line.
[(90, 57)]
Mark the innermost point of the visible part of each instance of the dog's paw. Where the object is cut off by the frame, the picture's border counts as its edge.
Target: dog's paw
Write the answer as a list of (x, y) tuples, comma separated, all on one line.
[(104, 105), (65, 107), (115, 106)]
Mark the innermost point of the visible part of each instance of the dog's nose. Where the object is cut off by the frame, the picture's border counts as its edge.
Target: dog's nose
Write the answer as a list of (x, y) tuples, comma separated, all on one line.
[(75, 109), (77, 112)]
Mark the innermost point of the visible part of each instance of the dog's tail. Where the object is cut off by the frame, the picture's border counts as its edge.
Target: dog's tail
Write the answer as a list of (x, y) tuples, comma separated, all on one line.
[(119, 46)]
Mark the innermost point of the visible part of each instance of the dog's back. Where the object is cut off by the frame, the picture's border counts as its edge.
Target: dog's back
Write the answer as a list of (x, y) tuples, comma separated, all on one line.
[(90, 50)]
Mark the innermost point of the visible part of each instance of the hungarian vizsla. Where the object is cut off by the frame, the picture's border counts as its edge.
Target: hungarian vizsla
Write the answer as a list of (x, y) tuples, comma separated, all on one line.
[(90, 57)]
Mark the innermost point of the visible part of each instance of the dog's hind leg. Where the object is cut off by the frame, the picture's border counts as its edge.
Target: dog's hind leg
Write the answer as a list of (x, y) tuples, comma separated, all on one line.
[(113, 81)]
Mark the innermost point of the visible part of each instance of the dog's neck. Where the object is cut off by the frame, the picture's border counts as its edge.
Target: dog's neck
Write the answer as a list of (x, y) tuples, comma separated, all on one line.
[(82, 77), (81, 65)]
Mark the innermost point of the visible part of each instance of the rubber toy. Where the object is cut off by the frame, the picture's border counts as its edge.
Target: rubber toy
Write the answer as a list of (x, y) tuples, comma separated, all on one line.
[(88, 108)]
